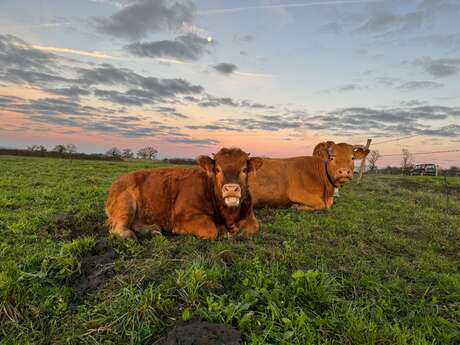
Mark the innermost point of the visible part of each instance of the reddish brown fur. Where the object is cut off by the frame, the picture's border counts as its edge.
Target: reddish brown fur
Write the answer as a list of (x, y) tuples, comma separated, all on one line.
[(339, 157), (303, 182), (183, 200)]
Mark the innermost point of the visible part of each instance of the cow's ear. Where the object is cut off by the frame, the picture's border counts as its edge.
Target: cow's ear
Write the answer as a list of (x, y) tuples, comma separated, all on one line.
[(360, 153), (330, 152), (255, 163), (206, 163)]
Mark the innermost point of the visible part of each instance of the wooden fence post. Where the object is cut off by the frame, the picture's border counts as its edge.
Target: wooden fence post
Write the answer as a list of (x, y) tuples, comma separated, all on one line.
[(363, 162)]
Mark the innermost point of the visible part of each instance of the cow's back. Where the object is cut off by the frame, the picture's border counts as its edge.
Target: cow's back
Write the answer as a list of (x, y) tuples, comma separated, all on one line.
[(279, 182), (268, 185), (160, 194)]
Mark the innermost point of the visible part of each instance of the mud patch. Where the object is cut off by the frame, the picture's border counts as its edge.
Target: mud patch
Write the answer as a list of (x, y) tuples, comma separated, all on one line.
[(70, 227), (96, 269), (203, 333)]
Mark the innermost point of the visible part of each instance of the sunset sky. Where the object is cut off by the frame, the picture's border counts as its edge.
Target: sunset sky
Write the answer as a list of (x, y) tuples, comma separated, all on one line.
[(272, 77)]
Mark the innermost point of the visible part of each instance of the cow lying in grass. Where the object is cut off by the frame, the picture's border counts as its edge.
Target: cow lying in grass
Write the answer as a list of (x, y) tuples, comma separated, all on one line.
[(306, 183), (200, 201)]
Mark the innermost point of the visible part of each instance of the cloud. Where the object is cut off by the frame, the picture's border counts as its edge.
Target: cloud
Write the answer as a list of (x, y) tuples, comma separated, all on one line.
[(141, 90), (225, 68), (136, 19), (277, 6), (170, 112), (72, 91), (419, 85), (70, 113), (440, 5), (245, 38), (439, 68), (350, 121), (188, 47), (331, 28), (384, 21), (212, 101), (192, 141), (412, 103), (93, 54), (386, 81), (349, 87), (16, 53), (249, 104), (9, 100), (212, 127)]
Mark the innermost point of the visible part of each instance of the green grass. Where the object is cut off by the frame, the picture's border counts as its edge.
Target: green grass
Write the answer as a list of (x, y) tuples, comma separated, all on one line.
[(381, 267)]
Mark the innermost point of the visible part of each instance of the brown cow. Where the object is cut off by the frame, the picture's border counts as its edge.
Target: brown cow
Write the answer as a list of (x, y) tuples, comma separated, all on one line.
[(199, 201), (306, 183)]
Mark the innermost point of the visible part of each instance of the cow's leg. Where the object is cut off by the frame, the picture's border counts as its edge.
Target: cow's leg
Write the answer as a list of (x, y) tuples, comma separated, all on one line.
[(121, 215), (301, 207), (306, 201), (249, 225), (201, 226)]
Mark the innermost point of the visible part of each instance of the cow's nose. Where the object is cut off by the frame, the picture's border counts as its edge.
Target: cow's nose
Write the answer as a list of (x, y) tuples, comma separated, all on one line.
[(231, 188), (344, 172)]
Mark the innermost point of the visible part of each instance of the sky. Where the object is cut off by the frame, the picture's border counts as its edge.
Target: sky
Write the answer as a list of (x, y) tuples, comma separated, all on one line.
[(272, 77)]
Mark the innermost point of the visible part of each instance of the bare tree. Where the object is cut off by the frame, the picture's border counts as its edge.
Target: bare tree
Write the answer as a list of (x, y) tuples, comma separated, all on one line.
[(372, 159), (32, 148), (60, 148), (41, 148), (407, 161), (71, 148), (113, 152), (127, 153), (148, 152)]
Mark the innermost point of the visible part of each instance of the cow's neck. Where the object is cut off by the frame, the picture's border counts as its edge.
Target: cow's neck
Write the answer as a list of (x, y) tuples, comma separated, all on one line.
[(328, 182), (229, 216)]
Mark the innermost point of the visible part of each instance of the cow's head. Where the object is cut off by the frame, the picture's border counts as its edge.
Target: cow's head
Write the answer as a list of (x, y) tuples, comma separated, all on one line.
[(340, 159), (229, 172)]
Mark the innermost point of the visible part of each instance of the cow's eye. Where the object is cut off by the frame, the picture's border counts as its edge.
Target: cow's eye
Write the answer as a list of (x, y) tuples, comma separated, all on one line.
[(244, 170), (352, 158), (218, 170)]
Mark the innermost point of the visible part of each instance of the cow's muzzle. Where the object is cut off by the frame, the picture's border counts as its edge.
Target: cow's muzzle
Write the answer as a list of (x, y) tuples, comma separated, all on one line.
[(231, 193)]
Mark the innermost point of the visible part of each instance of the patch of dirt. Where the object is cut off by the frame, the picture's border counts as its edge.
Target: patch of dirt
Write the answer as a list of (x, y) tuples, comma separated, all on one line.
[(203, 333), (96, 269), (11, 207), (264, 215), (228, 257), (69, 227), (408, 184)]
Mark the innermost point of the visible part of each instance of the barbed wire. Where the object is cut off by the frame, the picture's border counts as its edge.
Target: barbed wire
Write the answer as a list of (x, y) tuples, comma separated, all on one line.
[(413, 135), (420, 153), (397, 139)]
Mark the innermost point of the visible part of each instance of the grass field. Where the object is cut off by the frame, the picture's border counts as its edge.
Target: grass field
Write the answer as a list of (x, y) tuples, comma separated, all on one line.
[(381, 267)]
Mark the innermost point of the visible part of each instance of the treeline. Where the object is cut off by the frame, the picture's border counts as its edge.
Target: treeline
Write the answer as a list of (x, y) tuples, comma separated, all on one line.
[(407, 165), (391, 170), (54, 154), (69, 151)]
